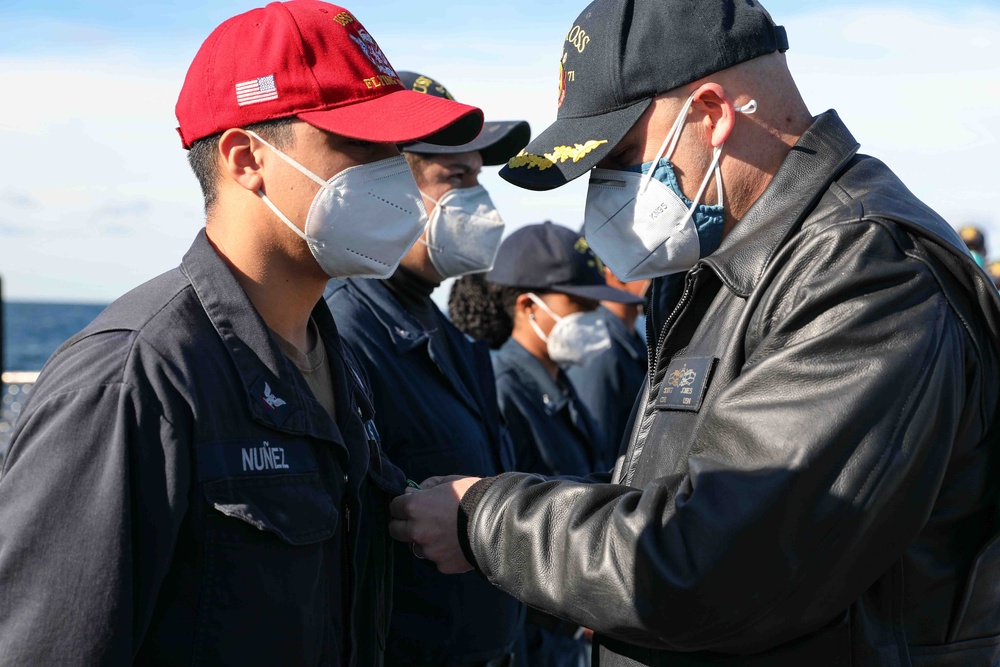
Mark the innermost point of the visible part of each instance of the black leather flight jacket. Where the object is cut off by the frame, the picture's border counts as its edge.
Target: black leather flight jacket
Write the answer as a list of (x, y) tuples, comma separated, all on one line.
[(812, 475)]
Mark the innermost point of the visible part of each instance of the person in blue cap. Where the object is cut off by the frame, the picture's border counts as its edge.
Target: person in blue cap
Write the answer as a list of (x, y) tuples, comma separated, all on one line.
[(811, 475), (551, 286), (435, 398)]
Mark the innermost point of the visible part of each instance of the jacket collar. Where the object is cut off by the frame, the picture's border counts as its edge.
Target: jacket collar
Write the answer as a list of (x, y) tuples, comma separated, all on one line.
[(276, 392), (408, 335), (403, 329), (810, 167), (619, 332), (533, 376)]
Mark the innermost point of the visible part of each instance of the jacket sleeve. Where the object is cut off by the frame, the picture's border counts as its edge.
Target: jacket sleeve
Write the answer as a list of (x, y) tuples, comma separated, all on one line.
[(91, 500), (814, 469)]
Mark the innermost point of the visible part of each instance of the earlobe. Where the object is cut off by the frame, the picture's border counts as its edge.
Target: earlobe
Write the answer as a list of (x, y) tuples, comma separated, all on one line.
[(238, 159)]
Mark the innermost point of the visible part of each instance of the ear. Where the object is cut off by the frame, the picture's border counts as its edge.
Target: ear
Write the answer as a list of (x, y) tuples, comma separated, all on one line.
[(239, 159), (720, 115), (524, 305)]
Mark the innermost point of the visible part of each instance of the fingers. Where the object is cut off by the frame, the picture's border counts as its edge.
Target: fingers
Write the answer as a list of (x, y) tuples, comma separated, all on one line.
[(401, 531), (399, 508), (431, 482), (427, 520), (400, 528)]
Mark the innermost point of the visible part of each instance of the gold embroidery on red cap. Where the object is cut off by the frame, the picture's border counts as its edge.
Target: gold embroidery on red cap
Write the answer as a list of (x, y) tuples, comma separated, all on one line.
[(344, 18)]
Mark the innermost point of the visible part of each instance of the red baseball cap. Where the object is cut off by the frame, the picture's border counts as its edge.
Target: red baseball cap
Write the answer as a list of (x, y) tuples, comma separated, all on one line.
[(315, 61)]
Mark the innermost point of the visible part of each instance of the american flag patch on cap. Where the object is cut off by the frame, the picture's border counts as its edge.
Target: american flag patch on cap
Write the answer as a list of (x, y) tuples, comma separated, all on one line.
[(256, 90)]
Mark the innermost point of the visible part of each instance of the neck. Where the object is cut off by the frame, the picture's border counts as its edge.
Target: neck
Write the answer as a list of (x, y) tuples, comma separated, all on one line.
[(409, 286), (283, 287), (761, 151), (627, 313), (530, 341), (418, 262)]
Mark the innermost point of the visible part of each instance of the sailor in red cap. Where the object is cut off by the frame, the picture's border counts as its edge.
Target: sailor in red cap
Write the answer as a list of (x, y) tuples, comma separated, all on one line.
[(197, 477)]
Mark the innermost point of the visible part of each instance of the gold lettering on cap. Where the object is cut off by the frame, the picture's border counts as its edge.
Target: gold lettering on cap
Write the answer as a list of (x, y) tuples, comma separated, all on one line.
[(382, 80), (578, 37), (593, 261), (344, 18), (422, 84)]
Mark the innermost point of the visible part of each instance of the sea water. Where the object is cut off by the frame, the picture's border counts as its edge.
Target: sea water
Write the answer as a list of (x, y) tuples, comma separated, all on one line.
[(32, 332)]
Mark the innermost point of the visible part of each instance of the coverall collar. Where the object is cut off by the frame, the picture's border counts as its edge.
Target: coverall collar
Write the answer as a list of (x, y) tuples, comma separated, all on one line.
[(277, 394)]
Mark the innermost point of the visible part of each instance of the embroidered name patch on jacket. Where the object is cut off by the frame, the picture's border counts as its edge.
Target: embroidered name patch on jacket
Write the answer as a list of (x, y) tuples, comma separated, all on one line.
[(685, 383), (242, 458)]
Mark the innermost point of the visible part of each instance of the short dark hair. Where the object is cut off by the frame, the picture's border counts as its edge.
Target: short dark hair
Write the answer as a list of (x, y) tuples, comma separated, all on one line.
[(203, 156)]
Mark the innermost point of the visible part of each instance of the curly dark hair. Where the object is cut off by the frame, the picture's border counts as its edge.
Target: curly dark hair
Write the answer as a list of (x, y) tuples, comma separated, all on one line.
[(478, 307)]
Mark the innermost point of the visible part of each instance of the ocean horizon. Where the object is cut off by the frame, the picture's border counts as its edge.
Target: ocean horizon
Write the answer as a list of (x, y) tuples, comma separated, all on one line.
[(33, 330)]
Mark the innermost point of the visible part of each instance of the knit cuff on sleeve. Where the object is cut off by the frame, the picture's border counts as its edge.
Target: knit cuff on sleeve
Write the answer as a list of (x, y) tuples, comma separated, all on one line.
[(465, 511)]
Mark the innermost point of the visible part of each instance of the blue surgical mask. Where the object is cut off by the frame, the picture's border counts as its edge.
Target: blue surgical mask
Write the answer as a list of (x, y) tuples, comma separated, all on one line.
[(979, 257), (708, 220)]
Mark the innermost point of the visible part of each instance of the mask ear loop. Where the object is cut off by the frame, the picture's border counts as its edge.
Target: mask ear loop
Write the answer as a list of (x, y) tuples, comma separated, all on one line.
[(305, 172), (747, 108), (541, 304), (427, 225), (531, 317), (287, 158), (672, 138)]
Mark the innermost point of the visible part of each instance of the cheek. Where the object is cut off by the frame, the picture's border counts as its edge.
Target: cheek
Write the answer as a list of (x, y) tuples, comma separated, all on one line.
[(438, 190)]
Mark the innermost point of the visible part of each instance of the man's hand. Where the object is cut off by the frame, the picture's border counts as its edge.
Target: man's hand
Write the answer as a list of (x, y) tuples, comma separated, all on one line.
[(428, 519)]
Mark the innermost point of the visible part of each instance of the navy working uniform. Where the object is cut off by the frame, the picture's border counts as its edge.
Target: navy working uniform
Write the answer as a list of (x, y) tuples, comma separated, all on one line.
[(608, 385), (174, 493), (552, 431), (437, 413)]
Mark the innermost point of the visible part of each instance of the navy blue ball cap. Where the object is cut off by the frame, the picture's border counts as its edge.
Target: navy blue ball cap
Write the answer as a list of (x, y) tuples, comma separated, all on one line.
[(499, 141), (617, 57), (553, 258)]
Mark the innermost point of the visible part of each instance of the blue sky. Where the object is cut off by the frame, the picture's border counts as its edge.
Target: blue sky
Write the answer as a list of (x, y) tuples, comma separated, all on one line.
[(100, 198)]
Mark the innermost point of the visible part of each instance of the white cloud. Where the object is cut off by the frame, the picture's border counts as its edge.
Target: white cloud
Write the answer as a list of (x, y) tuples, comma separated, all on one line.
[(919, 90), (91, 138)]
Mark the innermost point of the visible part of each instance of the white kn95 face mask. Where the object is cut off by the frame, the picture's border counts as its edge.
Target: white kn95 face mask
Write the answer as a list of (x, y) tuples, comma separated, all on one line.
[(464, 232), (363, 220)]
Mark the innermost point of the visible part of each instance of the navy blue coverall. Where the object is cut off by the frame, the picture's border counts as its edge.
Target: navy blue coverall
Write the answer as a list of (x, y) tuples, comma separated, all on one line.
[(436, 411), (610, 383), (175, 495)]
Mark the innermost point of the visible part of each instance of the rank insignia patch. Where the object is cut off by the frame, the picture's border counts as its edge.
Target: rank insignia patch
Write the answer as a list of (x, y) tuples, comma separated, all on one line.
[(685, 383)]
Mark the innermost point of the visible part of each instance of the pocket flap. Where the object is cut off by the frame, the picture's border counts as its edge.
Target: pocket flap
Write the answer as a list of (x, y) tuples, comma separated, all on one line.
[(296, 508)]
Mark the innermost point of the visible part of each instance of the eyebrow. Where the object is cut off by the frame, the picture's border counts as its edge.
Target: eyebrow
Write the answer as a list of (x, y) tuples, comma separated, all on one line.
[(463, 168)]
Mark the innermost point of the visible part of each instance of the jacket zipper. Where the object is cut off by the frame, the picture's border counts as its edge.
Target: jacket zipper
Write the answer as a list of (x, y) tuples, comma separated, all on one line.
[(654, 362), (347, 567)]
